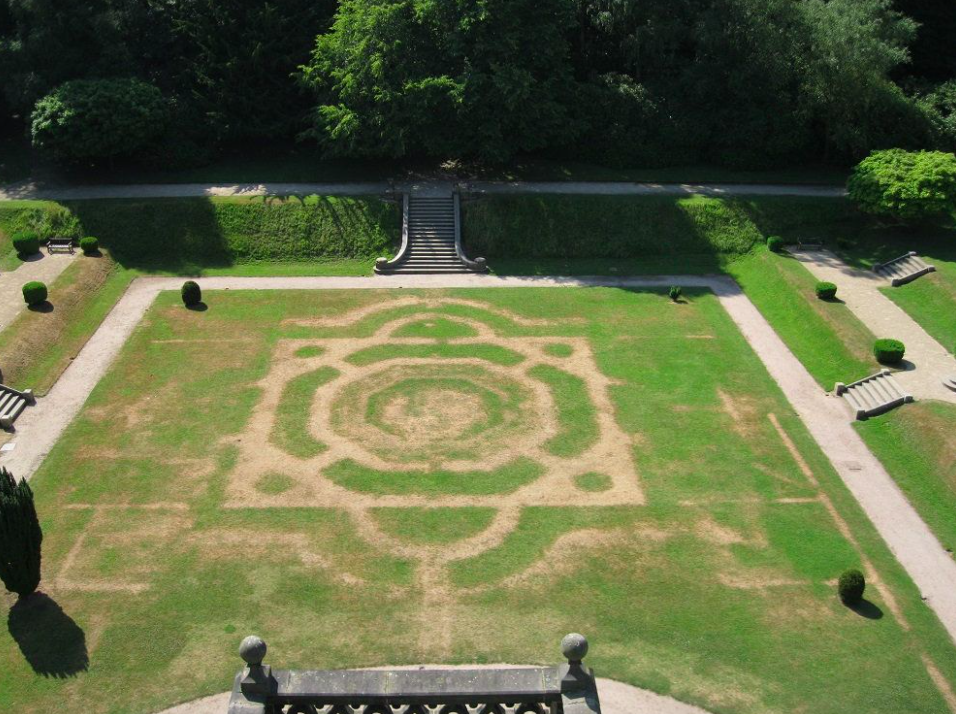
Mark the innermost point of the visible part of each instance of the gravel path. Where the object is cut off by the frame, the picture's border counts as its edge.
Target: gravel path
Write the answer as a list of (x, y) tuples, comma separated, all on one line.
[(927, 361), (42, 267), (619, 188), (827, 418), (616, 698)]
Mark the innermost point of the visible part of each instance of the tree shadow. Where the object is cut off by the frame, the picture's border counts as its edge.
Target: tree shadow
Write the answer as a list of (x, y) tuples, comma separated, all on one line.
[(51, 642), (198, 307), (867, 609), (46, 306)]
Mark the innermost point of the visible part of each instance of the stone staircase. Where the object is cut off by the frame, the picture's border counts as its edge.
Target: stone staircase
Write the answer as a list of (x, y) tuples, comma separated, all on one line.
[(431, 238), (904, 269), (873, 395), (12, 402)]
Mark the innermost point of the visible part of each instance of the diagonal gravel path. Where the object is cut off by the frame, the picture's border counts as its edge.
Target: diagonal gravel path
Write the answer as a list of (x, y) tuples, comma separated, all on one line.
[(826, 418), (42, 267), (616, 188), (927, 361)]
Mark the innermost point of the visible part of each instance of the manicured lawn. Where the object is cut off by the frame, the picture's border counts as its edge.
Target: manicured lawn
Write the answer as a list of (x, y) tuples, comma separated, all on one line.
[(182, 512), (826, 337), (931, 299), (917, 445)]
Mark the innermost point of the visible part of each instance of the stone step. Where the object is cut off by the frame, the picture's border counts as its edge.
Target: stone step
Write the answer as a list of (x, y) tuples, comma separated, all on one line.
[(904, 269), (873, 395)]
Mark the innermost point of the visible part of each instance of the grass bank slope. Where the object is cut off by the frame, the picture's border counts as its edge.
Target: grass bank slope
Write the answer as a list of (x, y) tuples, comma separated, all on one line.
[(198, 236)]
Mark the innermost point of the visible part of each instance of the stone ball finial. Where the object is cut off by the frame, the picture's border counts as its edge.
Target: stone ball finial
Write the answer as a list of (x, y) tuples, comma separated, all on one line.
[(253, 650), (574, 647)]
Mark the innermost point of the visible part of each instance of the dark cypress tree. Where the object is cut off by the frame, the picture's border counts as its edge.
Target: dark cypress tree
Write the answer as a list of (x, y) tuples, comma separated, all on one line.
[(20, 536)]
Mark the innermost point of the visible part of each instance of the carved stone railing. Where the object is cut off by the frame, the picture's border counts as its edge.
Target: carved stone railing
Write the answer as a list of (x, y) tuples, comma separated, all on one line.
[(384, 265), (478, 265), (565, 689)]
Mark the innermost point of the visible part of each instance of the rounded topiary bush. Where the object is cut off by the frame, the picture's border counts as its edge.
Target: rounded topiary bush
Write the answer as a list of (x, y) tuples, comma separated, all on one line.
[(889, 351), (191, 293), (89, 245), (826, 291), (34, 293), (26, 243), (775, 244), (851, 587)]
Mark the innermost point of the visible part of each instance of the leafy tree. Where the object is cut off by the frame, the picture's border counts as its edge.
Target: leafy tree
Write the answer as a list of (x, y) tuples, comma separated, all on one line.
[(20, 536), (854, 45), (934, 51), (399, 77), (239, 58), (905, 185), (94, 119)]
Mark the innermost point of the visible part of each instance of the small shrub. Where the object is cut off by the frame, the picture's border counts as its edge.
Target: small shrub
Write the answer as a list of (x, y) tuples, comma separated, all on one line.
[(89, 245), (826, 291), (889, 351), (775, 244), (851, 587), (675, 292), (26, 243), (34, 293), (191, 293)]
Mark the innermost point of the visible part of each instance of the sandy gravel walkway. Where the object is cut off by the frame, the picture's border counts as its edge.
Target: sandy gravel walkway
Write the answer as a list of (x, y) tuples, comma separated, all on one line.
[(927, 361), (616, 698), (928, 564), (42, 267), (621, 188)]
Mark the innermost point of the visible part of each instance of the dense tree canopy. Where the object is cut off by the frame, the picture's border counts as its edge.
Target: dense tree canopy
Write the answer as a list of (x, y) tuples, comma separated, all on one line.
[(744, 83)]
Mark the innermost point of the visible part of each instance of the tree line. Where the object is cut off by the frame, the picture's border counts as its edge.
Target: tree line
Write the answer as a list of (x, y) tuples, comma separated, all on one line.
[(739, 83)]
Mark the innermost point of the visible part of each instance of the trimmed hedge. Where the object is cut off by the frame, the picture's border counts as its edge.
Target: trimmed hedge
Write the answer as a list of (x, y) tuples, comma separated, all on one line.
[(775, 244), (888, 351), (191, 293), (34, 293), (826, 291), (89, 245), (851, 586), (26, 243)]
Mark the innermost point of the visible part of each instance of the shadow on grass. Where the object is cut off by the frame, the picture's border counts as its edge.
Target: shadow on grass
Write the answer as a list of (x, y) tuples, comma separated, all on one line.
[(198, 307), (51, 642), (867, 609), (46, 307)]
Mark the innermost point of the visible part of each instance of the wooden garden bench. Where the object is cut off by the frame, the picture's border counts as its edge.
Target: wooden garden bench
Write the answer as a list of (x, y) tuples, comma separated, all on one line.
[(59, 244)]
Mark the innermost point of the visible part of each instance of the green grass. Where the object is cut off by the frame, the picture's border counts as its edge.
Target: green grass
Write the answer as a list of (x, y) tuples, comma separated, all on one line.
[(508, 478), (490, 353), (576, 419), (917, 444), (931, 299), (291, 428), (675, 595), (593, 482), (209, 236), (429, 526), (703, 232), (826, 336)]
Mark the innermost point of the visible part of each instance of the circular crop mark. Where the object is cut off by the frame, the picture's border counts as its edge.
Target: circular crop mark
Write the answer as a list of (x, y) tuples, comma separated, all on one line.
[(434, 412)]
